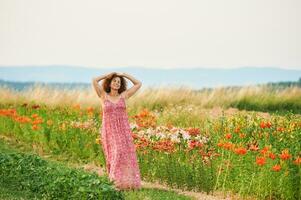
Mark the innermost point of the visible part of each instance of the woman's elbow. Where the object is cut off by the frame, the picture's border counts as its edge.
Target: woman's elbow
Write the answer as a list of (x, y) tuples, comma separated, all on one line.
[(139, 85)]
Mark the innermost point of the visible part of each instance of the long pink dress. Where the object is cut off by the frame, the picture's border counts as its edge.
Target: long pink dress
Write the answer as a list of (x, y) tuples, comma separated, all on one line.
[(118, 145)]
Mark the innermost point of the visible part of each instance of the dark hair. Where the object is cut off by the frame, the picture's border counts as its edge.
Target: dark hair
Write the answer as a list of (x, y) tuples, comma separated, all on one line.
[(107, 82)]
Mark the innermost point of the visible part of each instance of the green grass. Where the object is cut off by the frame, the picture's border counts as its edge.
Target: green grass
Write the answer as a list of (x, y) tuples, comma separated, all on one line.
[(154, 194), (145, 193), (13, 191), (272, 105), (10, 194), (32, 174)]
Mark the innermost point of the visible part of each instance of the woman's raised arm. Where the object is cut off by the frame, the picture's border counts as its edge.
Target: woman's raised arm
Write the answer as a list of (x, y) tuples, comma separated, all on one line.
[(134, 88), (99, 90)]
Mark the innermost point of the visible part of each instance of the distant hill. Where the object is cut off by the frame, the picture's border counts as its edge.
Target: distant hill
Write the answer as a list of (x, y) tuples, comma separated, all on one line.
[(197, 78), (18, 86)]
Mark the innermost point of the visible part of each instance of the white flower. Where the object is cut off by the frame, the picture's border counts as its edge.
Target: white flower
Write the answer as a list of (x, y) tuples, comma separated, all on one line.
[(140, 133), (175, 138), (149, 131), (133, 125), (161, 135), (202, 139), (185, 135), (174, 130)]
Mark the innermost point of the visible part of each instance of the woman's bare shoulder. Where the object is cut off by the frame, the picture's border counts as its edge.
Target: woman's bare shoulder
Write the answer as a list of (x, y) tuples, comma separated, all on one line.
[(124, 95)]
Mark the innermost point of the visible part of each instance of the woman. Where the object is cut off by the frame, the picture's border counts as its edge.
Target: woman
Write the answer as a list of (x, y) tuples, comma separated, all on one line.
[(116, 138)]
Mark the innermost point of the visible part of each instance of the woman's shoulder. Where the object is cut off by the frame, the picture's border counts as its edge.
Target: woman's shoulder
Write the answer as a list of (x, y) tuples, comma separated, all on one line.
[(123, 94)]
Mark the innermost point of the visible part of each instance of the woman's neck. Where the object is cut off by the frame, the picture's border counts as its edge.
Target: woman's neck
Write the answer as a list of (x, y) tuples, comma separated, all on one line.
[(114, 93)]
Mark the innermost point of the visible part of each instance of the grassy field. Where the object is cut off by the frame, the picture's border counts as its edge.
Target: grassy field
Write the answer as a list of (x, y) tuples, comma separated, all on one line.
[(13, 190), (191, 140), (265, 98)]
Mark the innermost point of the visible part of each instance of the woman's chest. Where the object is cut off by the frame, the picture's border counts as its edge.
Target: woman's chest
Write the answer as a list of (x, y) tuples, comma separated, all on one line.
[(108, 106)]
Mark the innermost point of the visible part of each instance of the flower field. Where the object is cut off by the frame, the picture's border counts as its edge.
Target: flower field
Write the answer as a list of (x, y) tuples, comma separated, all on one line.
[(249, 153)]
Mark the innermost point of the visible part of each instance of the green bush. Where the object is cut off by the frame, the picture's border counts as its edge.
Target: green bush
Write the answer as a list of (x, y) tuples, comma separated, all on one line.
[(27, 172)]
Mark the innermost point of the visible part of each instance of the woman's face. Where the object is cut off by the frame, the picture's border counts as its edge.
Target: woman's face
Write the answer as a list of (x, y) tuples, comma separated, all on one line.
[(115, 83)]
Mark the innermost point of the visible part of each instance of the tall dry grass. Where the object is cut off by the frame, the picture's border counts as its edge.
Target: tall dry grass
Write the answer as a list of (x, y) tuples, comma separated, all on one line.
[(252, 97)]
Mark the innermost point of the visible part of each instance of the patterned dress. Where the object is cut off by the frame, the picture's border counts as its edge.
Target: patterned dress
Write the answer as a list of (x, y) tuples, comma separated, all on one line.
[(118, 145)]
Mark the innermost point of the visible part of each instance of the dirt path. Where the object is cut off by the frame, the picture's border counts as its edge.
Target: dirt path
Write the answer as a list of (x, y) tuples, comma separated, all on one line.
[(157, 185)]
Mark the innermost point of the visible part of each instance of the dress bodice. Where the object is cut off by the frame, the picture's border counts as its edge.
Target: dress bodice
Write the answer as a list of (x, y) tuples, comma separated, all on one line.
[(111, 108)]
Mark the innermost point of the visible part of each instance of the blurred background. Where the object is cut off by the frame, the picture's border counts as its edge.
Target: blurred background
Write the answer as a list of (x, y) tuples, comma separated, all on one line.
[(193, 44), (213, 53)]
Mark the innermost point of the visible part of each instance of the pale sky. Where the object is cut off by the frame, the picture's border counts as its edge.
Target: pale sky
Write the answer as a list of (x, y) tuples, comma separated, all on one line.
[(153, 33)]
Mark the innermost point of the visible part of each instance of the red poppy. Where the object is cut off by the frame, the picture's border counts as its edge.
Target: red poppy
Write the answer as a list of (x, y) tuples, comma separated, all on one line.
[(285, 154), (260, 161), (237, 130), (241, 150), (276, 168), (220, 144), (268, 124), (297, 161), (228, 136), (262, 124), (264, 150), (272, 156), (228, 145)]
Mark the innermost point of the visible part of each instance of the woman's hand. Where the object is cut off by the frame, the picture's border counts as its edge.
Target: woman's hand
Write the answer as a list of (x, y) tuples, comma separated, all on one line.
[(120, 74)]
